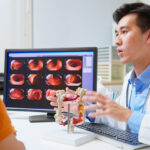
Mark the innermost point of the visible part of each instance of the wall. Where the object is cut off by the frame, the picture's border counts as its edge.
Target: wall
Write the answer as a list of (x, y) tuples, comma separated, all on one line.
[(15, 26), (144, 1), (6, 31), (56, 23), (66, 23)]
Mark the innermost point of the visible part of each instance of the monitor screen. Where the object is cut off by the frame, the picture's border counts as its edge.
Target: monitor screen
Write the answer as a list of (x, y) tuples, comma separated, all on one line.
[(32, 74)]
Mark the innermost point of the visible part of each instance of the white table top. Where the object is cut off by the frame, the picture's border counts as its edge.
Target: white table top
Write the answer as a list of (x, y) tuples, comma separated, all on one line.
[(32, 135)]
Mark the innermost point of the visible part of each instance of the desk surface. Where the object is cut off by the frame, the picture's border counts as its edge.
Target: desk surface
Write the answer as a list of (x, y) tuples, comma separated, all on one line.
[(32, 135)]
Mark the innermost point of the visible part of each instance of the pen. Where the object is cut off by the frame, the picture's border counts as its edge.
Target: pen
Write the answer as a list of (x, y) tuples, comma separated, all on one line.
[(113, 95)]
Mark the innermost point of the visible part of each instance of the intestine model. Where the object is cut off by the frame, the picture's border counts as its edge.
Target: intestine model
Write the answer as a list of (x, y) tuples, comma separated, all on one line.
[(70, 97)]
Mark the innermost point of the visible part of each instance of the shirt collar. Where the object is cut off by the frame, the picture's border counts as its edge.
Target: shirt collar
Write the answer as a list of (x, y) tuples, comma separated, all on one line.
[(141, 81), (132, 77), (145, 76)]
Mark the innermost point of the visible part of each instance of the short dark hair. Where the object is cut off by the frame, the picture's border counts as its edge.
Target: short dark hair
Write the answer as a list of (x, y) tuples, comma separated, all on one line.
[(143, 14)]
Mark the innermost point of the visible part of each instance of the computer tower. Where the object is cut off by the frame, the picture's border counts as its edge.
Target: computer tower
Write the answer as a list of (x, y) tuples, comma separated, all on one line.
[(1, 83)]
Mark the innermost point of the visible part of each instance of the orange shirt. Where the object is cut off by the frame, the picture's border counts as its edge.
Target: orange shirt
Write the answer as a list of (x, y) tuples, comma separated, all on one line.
[(5, 124)]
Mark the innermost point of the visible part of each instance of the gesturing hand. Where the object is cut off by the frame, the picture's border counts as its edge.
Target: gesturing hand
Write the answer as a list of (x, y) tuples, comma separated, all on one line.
[(73, 106), (107, 106)]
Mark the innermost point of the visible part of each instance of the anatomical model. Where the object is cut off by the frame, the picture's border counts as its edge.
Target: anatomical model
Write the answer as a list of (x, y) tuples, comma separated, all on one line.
[(70, 97)]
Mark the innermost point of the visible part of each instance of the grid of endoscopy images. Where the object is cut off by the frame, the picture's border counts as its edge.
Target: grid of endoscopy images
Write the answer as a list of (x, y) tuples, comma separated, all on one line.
[(33, 81)]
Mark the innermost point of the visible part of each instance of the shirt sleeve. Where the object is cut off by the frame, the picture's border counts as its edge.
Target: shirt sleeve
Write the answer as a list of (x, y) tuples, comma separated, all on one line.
[(90, 119), (135, 120), (90, 111), (6, 128)]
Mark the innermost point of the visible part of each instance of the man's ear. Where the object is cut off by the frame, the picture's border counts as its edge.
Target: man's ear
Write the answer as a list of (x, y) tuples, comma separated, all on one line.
[(148, 36)]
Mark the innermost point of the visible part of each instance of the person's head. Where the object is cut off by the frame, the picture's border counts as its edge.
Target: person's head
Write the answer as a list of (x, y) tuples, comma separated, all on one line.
[(143, 14), (133, 32)]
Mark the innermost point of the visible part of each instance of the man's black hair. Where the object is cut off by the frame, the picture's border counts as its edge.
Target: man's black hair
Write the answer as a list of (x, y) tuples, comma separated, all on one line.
[(143, 14)]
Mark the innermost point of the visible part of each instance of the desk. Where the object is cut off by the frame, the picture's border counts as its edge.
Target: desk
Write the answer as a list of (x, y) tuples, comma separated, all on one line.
[(32, 135)]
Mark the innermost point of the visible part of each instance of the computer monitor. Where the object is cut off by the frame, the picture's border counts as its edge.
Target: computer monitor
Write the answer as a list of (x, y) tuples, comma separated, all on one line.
[(32, 74)]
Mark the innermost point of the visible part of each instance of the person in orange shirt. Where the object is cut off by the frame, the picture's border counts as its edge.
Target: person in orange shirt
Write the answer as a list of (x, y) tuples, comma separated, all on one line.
[(8, 139)]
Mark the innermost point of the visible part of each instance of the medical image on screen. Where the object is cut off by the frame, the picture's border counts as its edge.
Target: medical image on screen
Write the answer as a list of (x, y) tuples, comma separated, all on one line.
[(73, 80), (34, 94), (17, 79), (54, 64), (33, 81), (16, 94), (35, 64), (73, 64), (16, 64), (54, 79)]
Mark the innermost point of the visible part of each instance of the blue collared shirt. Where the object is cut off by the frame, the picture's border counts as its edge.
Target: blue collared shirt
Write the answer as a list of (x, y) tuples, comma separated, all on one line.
[(140, 88)]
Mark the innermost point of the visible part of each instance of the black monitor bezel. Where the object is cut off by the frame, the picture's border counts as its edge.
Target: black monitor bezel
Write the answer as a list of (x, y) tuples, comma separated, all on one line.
[(94, 49)]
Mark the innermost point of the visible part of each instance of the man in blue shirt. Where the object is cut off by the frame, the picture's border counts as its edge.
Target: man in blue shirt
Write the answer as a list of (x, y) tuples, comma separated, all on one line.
[(133, 46), (139, 93), (131, 110)]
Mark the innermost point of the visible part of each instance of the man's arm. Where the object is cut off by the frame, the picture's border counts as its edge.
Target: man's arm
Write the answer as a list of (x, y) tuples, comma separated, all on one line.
[(11, 143), (135, 120), (144, 132)]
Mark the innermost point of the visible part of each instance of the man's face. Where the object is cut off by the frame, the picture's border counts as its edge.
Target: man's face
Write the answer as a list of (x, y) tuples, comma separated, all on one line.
[(130, 40)]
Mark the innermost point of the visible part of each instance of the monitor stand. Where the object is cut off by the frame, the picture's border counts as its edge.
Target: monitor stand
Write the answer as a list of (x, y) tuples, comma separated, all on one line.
[(43, 118)]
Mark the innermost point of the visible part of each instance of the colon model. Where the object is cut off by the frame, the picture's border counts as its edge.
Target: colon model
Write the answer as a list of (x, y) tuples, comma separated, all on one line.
[(80, 119), (72, 97)]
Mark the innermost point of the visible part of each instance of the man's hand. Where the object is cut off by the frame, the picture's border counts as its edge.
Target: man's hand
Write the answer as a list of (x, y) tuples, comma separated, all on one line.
[(107, 106), (73, 106)]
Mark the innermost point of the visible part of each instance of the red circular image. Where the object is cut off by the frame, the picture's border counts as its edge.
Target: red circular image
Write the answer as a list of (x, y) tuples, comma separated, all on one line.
[(55, 80), (34, 79), (34, 94), (74, 64), (35, 65), (16, 94), (54, 64), (16, 64), (51, 94), (73, 80), (17, 79)]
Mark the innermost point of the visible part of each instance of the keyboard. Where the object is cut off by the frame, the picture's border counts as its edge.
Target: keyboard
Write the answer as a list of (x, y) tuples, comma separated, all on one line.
[(116, 134)]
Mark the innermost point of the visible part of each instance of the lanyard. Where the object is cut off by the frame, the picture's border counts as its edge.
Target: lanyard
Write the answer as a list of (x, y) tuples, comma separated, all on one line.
[(127, 95)]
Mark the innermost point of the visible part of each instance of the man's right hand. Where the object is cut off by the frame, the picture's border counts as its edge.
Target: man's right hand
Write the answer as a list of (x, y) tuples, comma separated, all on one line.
[(73, 106)]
